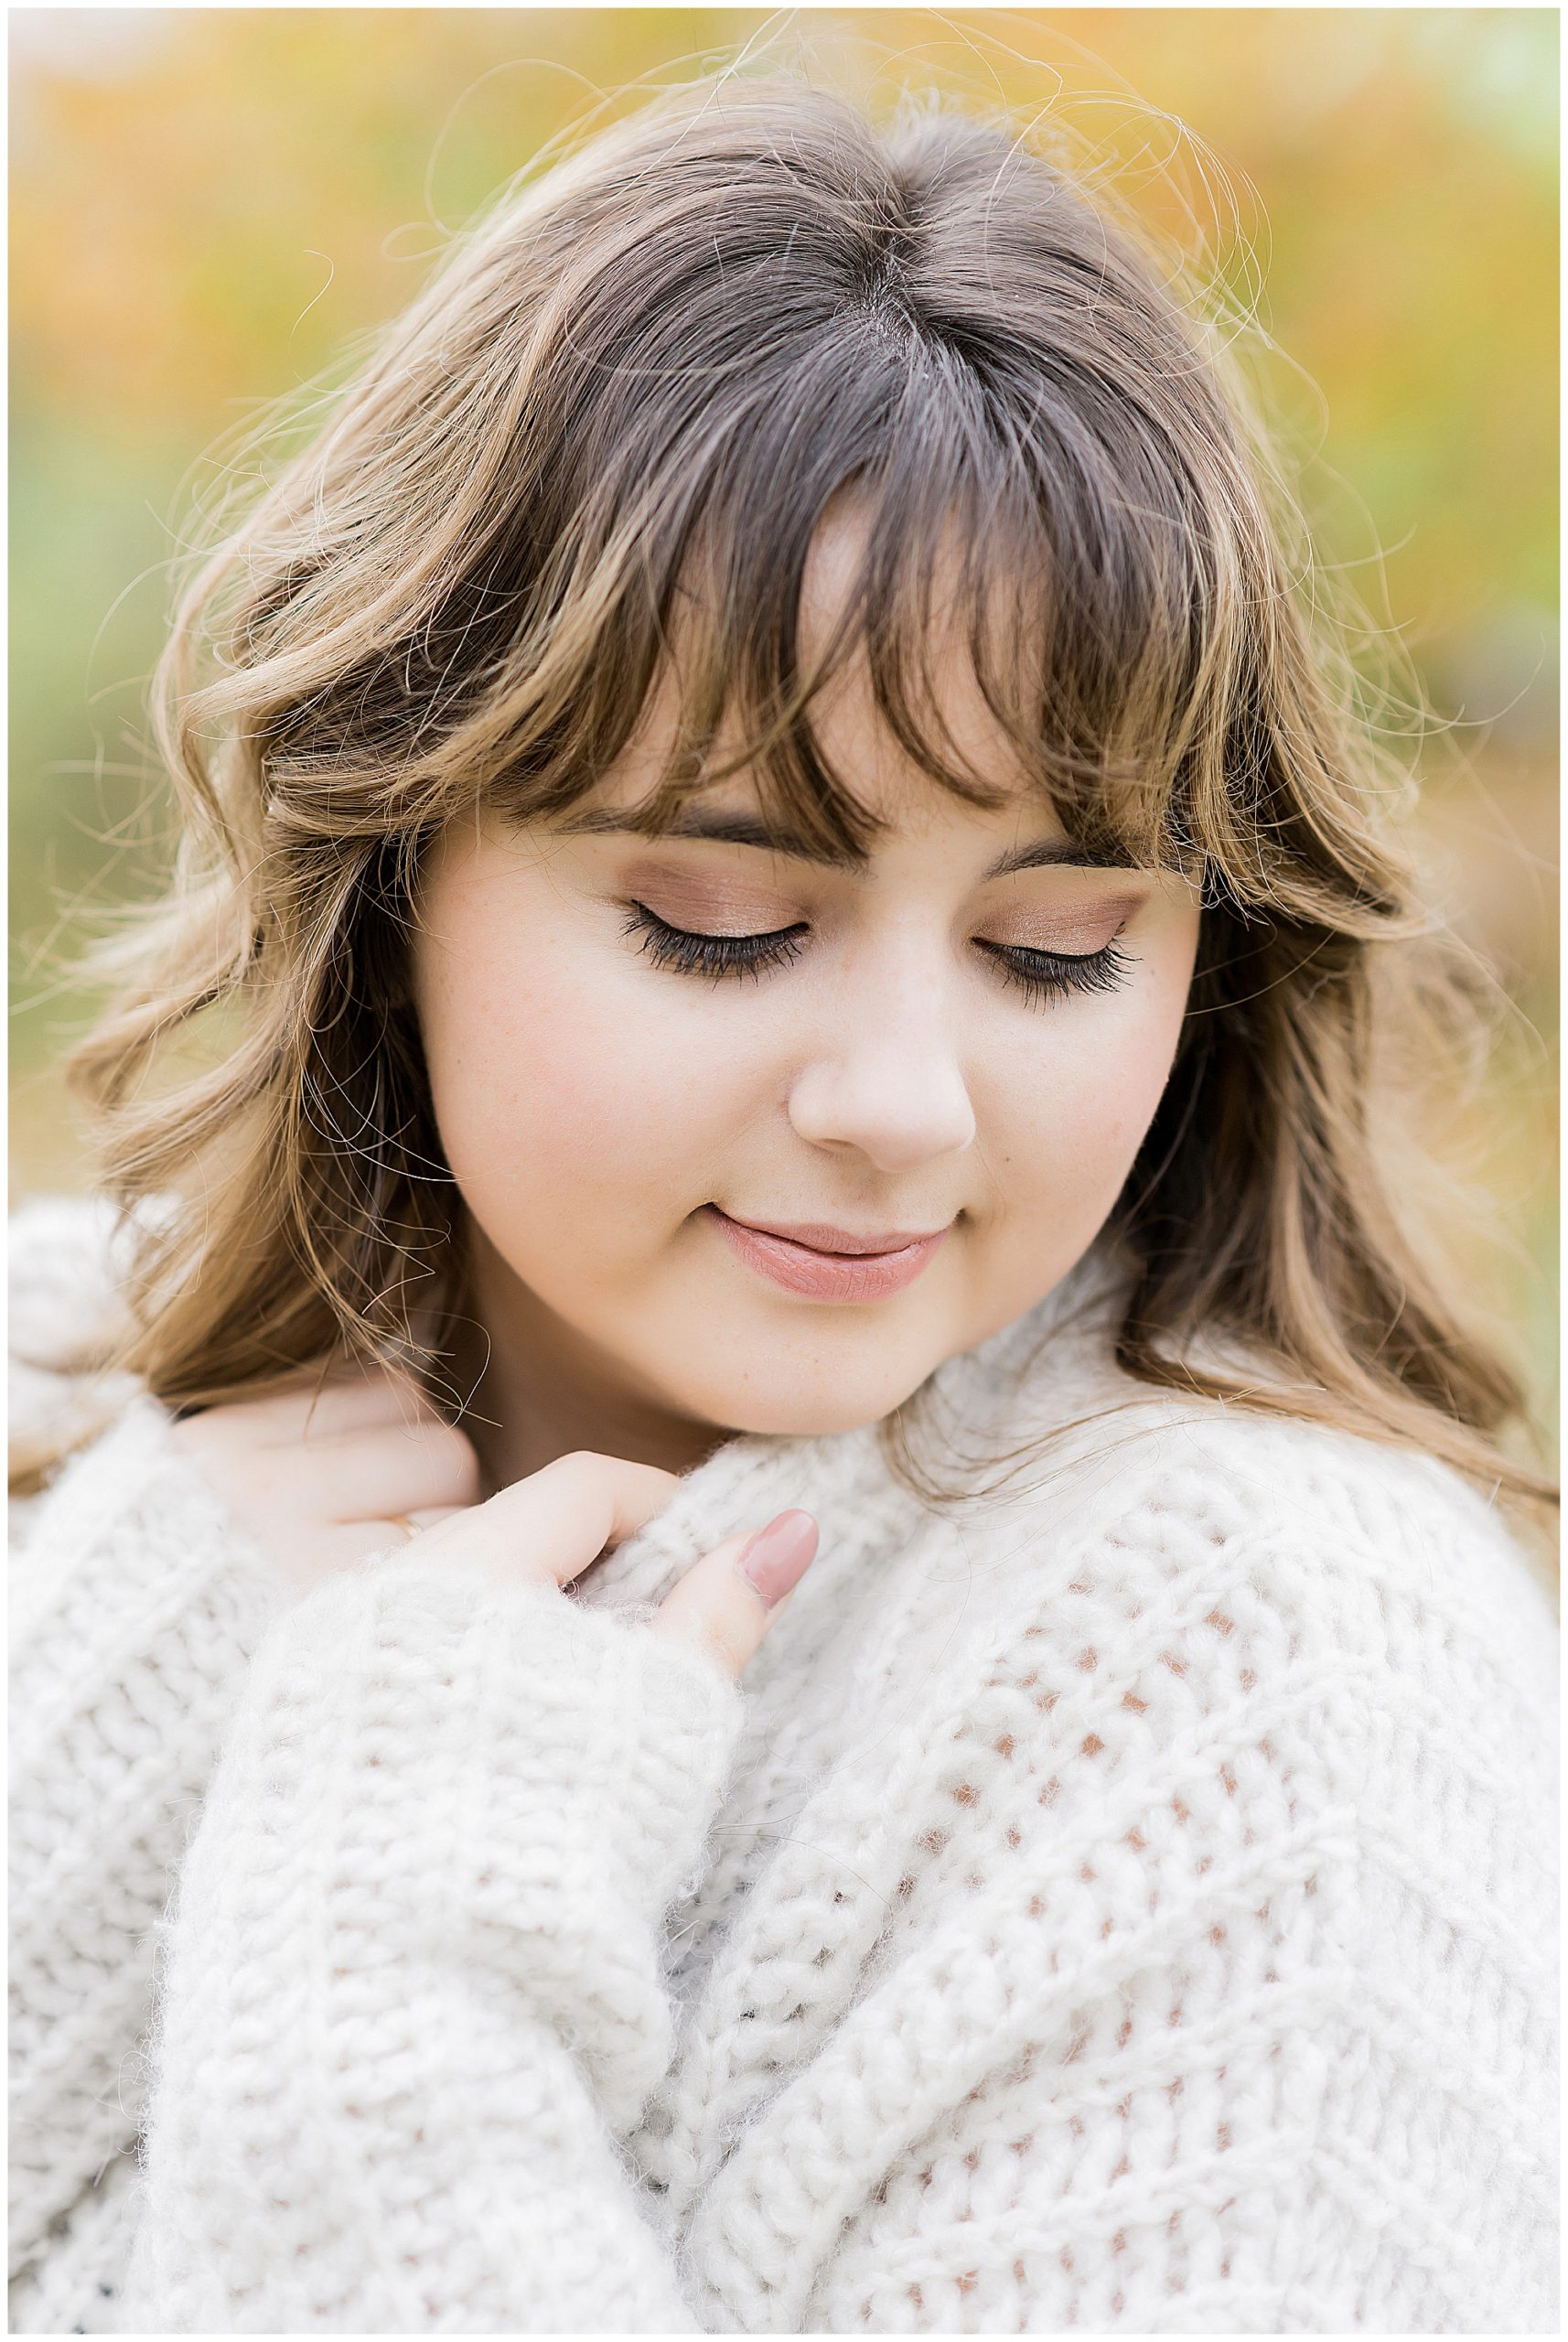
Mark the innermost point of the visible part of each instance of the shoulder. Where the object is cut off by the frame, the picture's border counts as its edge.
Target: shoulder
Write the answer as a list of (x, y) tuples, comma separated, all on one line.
[(1406, 1528), (1220, 1471), (1085, 1475), (1314, 1548)]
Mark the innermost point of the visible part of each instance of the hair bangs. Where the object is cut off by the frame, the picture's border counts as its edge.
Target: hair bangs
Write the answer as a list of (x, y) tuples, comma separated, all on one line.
[(993, 554)]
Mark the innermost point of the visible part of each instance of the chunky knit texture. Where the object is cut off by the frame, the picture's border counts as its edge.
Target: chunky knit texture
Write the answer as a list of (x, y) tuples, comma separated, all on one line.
[(1125, 1903)]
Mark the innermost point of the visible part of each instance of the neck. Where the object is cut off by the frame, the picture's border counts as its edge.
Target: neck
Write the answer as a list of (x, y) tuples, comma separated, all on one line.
[(533, 1389)]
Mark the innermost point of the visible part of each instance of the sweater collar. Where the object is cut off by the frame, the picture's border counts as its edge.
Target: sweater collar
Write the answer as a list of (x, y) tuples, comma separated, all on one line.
[(1046, 1358)]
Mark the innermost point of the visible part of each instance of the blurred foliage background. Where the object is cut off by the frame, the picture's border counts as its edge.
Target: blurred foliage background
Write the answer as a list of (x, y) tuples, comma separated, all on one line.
[(207, 203)]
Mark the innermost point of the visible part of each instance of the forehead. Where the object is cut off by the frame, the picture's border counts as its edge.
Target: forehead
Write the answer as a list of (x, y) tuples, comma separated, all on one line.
[(933, 626), (894, 799), (874, 766)]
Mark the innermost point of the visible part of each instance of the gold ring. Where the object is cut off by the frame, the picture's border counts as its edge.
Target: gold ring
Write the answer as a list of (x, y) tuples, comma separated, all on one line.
[(400, 1520)]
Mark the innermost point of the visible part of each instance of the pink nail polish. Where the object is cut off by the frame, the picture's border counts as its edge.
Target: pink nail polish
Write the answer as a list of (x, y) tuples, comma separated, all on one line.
[(779, 1556)]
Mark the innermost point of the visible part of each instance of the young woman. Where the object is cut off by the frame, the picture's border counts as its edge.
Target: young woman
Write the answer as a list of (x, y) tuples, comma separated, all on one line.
[(779, 1603)]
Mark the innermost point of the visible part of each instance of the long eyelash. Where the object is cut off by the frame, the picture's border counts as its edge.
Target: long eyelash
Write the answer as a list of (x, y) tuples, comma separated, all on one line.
[(1049, 975), (1041, 975), (709, 955)]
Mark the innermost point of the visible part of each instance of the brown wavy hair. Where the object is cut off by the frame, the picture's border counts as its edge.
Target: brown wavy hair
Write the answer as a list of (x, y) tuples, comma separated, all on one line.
[(618, 411)]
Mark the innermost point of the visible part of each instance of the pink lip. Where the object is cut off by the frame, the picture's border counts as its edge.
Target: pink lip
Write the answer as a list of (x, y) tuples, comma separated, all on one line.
[(823, 1273), (821, 1236)]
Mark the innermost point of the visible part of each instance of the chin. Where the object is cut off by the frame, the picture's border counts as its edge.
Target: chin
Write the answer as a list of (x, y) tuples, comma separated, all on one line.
[(812, 1410)]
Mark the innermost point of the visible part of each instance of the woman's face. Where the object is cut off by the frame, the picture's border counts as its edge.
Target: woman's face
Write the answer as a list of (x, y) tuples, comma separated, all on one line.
[(968, 1036)]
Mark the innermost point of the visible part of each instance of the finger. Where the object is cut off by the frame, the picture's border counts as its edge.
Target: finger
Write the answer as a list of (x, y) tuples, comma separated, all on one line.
[(552, 1525), (366, 1475), (357, 1475), (355, 1398), (374, 1534), (340, 1543), (430, 1516), (336, 1545), (727, 1602), (323, 1407)]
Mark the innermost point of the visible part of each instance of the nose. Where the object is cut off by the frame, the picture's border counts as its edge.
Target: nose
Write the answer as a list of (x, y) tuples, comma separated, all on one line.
[(890, 1085)]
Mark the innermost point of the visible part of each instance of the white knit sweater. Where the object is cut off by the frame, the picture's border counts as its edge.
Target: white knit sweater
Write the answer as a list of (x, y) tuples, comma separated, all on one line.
[(1128, 1904)]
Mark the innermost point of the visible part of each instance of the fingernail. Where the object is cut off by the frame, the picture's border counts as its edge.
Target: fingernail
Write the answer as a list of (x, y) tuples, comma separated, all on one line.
[(779, 1556)]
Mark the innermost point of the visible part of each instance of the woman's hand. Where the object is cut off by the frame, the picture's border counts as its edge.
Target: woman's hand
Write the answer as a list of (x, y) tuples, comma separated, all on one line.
[(323, 1478), (548, 1527)]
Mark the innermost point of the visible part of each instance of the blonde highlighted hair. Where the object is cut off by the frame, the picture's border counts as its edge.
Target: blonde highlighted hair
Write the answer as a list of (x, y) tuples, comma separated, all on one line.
[(620, 409)]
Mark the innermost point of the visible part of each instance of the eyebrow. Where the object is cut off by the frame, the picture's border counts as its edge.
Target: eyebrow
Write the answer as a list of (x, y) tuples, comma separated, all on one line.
[(745, 828)]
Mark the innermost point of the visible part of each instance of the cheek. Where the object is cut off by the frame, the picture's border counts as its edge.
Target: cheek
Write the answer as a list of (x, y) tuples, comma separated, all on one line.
[(1076, 1125), (556, 1073)]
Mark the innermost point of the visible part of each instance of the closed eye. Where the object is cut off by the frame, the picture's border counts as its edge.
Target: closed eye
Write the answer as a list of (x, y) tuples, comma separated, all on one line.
[(711, 955), (1041, 975), (1047, 975)]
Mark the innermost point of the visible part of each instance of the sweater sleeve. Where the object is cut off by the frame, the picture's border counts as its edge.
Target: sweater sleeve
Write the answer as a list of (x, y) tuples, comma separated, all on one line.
[(412, 1999), (135, 1603)]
